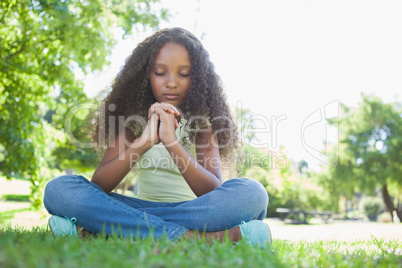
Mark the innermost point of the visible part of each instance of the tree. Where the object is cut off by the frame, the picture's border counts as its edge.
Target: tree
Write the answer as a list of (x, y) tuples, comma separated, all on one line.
[(42, 44), (369, 151), (66, 153), (302, 167), (275, 171), (251, 157)]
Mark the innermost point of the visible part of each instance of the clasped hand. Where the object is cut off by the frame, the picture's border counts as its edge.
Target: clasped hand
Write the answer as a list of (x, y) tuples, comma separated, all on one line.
[(162, 124)]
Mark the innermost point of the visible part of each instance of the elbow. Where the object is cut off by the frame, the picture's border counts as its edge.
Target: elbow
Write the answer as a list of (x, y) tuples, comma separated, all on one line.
[(98, 180), (209, 188)]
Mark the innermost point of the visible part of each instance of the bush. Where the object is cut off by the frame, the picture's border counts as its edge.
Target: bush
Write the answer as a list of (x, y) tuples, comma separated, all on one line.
[(371, 206), (292, 195), (16, 197)]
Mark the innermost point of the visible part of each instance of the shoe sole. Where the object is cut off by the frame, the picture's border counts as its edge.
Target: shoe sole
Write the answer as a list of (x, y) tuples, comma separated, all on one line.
[(49, 222), (270, 234)]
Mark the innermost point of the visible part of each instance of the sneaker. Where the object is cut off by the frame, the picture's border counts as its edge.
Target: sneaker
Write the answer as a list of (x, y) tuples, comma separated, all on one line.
[(256, 233), (60, 226)]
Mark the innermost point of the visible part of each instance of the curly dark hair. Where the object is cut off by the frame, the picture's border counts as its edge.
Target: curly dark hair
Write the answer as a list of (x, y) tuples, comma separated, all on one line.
[(131, 92)]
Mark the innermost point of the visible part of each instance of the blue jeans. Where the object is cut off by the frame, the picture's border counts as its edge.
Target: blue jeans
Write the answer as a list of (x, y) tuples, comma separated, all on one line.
[(223, 208)]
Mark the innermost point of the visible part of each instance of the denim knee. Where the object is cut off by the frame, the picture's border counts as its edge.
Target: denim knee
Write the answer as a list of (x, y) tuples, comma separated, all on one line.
[(54, 191), (258, 192), (253, 193)]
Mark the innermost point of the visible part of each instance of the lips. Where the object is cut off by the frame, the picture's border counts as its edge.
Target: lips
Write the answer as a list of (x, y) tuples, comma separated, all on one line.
[(171, 96)]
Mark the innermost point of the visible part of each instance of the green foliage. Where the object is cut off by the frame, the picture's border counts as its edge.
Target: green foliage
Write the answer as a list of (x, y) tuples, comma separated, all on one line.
[(20, 248), (72, 138), (245, 123), (372, 135), (295, 190), (251, 157), (262, 165), (371, 206), (299, 196), (42, 43), (254, 159), (369, 150)]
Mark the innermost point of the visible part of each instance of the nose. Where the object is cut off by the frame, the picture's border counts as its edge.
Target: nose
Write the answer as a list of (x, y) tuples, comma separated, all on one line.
[(171, 82)]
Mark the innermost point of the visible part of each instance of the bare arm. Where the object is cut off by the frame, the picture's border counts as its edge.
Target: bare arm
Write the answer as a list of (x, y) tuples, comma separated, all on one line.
[(204, 174), (123, 154)]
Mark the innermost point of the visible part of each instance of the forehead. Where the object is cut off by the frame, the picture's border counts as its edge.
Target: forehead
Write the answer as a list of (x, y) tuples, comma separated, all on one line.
[(172, 52)]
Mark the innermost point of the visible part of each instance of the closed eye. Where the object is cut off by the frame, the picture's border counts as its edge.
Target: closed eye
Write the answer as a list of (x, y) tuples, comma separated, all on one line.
[(159, 74)]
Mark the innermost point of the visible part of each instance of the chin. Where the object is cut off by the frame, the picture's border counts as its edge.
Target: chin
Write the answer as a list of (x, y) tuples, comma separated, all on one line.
[(173, 102)]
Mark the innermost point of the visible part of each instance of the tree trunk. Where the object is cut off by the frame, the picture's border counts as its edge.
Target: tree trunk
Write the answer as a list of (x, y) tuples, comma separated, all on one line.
[(399, 214), (387, 200)]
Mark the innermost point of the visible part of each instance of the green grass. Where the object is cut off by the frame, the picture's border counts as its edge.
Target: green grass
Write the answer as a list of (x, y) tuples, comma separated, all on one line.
[(37, 248), (6, 216)]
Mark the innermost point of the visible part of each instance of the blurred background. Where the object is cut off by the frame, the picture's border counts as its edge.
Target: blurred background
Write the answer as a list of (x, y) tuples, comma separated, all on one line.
[(314, 85)]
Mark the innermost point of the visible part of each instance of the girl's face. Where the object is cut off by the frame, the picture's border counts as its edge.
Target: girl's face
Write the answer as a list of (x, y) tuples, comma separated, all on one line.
[(171, 74)]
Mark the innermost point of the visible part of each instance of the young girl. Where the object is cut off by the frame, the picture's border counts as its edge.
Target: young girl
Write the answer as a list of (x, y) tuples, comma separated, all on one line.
[(166, 114)]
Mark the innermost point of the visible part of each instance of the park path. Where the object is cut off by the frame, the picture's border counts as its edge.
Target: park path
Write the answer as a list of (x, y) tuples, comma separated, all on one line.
[(340, 231)]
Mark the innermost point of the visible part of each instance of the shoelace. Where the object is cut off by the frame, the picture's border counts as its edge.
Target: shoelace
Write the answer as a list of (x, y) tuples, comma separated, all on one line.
[(72, 222)]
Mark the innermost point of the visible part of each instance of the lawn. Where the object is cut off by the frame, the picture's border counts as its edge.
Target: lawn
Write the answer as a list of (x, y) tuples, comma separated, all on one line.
[(38, 248), (30, 246)]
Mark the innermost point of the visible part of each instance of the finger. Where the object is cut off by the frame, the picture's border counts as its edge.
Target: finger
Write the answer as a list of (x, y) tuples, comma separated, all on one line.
[(149, 112), (154, 122), (152, 108), (172, 108), (156, 116), (169, 110), (159, 110), (176, 111), (166, 116)]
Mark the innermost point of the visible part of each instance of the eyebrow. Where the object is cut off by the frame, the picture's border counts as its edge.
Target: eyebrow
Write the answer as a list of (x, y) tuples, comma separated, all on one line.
[(163, 65)]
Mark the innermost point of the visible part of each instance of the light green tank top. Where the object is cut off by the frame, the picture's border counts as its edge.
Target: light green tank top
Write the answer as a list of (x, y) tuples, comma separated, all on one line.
[(159, 179)]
